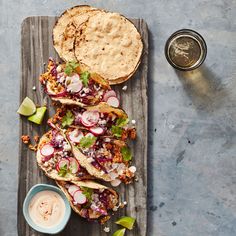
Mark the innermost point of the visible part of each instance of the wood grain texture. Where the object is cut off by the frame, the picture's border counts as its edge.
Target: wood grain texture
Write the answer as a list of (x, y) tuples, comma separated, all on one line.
[(36, 48)]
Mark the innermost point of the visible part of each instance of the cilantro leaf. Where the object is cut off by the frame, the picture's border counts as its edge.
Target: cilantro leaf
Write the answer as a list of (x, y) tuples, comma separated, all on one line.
[(126, 153), (67, 119), (87, 192), (87, 142), (71, 67), (85, 78), (117, 131), (120, 122), (63, 171)]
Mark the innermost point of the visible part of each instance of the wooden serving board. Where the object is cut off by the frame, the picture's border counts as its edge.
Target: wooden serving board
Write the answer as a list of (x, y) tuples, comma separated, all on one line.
[(36, 43)]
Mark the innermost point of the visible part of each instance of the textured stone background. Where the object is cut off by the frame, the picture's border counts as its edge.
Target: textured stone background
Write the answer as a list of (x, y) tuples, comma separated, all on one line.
[(192, 159)]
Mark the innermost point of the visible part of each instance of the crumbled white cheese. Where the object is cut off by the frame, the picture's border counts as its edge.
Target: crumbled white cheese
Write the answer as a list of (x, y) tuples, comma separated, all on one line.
[(124, 88), (132, 169), (133, 122), (115, 208), (59, 69), (34, 88), (67, 147), (106, 229)]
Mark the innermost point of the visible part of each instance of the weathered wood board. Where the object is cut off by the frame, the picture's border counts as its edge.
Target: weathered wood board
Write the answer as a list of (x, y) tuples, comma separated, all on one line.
[(37, 46)]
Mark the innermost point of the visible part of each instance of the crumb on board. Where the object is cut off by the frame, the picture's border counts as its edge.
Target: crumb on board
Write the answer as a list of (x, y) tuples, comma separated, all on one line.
[(33, 147), (25, 139), (34, 88), (36, 138), (124, 88), (106, 229)]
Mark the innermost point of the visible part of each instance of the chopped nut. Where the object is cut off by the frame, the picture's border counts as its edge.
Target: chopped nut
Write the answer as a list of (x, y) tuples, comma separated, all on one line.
[(25, 139)]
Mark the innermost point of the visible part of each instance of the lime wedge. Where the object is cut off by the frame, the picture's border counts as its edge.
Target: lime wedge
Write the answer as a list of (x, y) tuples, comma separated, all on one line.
[(119, 232), (126, 221), (27, 107), (38, 116)]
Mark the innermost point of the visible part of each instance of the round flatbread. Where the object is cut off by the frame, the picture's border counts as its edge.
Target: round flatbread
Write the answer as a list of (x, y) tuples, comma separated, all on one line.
[(110, 45), (67, 44), (62, 22)]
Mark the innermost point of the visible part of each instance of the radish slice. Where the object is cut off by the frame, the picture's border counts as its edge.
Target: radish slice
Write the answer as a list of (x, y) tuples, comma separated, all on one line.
[(47, 150), (72, 189), (73, 83), (63, 162), (74, 165), (79, 197), (75, 136), (90, 118), (113, 101), (97, 130), (110, 93)]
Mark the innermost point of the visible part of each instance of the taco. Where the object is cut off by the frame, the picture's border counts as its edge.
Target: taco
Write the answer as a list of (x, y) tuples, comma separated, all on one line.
[(101, 120), (89, 199), (55, 158), (71, 83)]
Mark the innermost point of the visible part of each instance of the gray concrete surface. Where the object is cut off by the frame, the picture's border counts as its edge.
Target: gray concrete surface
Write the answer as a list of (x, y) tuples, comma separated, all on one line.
[(192, 159)]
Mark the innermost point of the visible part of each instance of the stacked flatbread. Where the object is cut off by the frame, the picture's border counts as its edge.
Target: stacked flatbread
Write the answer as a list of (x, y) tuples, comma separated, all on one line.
[(107, 43)]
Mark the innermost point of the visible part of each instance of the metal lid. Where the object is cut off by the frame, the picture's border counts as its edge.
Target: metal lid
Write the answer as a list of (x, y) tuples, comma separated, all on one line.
[(185, 50)]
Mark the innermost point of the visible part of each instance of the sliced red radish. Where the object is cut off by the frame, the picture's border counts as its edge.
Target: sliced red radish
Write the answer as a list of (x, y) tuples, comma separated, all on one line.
[(79, 197), (110, 93), (62, 163), (74, 84), (90, 118), (97, 130), (76, 135), (113, 101), (47, 150), (74, 165), (72, 189)]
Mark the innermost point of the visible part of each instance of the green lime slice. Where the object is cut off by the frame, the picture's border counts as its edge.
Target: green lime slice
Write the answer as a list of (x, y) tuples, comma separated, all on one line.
[(38, 116), (27, 107), (119, 232), (126, 221)]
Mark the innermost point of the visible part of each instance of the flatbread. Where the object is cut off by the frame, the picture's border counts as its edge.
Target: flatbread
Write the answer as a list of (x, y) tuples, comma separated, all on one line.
[(62, 22), (70, 33), (110, 45), (88, 184)]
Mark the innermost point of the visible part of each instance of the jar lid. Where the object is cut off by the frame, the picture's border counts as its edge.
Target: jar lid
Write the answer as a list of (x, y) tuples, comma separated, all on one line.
[(185, 50)]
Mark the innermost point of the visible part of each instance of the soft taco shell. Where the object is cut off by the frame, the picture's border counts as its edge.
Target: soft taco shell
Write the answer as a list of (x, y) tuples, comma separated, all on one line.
[(62, 22), (117, 54), (88, 184), (67, 42), (53, 173)]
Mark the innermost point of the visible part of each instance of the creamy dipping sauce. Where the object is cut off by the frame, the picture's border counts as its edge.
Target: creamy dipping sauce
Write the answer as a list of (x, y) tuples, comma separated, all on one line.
[(47, 209)]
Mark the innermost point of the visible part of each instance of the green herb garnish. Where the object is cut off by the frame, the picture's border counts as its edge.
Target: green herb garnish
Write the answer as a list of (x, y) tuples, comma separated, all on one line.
[(126, 153), (87, 142), (85, 78), (120, 122), (71, 67), (67, 119), (87, 192), (117, 131), (63, 171)]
